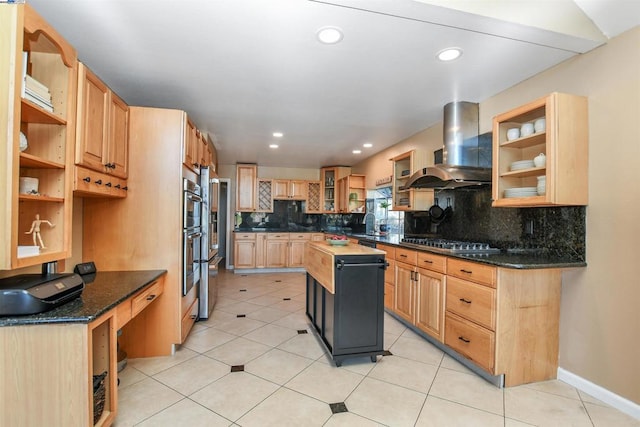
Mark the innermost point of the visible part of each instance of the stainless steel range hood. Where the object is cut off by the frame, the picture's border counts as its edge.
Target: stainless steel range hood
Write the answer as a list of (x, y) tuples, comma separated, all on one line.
[(466, 162)]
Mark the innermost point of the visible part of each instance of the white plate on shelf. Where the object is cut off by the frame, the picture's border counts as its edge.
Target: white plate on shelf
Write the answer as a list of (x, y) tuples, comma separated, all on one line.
[(522, 164), (521, 192)]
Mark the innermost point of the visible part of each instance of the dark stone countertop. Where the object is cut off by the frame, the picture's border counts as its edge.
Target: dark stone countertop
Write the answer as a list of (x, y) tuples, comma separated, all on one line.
[(508, 259), (107, 290)]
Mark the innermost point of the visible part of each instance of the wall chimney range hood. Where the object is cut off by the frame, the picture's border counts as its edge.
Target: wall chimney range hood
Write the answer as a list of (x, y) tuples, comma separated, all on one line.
[(466, 155)]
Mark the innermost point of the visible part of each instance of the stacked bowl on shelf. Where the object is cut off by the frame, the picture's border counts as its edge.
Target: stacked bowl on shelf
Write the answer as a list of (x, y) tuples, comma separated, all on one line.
[(542, 185), (522, 164), (520, 192)]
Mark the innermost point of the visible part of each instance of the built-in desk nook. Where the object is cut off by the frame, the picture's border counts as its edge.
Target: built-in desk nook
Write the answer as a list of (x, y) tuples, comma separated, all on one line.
[(50, 361)]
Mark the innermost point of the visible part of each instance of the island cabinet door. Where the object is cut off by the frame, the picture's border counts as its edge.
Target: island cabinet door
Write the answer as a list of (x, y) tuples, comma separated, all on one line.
[(315, 300), (354, 314)]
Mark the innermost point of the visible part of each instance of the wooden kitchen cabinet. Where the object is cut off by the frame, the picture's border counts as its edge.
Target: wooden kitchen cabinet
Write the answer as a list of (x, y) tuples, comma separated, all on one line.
[(404, 165), (277, 250), (405, 291), (246, 176), (329, 178), (190, 147), (265, 195), (314, 197), (352, 193), (261, 247), (297, 244), (565, 143), (102, 138), (389, 275), (50, 135), (244, 250), (289, 189)]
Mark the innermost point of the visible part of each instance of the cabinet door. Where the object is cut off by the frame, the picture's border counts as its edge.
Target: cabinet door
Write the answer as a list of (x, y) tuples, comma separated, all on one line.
[(190, 147), (405, 292), (314, 203), (276, 253), (265, 195), (296, 252), (118, 147), (390, 285), (93, 110), (298, 190), (246, 176), (430, 303), (280, 188), (244, 254), (261, 239)]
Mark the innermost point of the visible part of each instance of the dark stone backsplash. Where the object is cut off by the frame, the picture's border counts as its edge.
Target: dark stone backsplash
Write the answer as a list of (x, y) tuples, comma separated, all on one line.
[(558, 231)]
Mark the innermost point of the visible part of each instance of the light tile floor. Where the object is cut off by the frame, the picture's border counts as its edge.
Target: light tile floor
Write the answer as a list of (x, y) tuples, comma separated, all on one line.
[(288, 379)]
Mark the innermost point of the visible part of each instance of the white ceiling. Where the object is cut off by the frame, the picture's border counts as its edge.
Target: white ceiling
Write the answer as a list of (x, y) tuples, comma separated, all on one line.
[(243, 69)]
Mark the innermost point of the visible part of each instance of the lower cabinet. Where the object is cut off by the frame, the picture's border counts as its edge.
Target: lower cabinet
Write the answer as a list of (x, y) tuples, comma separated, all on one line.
[(189, 318), (271, 250), (297, 243), (244, 250), (276, 250)]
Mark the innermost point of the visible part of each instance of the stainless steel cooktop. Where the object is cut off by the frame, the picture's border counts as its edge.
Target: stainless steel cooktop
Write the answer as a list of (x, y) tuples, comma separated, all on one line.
[(448, 246)]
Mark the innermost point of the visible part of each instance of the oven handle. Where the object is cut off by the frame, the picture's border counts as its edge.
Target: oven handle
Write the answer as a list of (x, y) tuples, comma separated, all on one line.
[(194, 197), (194, 235)]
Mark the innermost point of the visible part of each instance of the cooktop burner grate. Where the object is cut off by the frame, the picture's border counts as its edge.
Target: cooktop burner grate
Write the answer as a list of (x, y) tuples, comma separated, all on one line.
[(449, 246)]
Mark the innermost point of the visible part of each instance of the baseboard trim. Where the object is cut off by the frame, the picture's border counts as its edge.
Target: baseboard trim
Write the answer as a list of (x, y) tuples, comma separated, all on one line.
[(620, 403)]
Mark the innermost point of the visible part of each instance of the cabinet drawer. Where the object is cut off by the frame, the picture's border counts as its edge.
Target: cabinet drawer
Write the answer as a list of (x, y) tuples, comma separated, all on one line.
[(123, 313), (471, 340), (245, 236), (473, 271), (189, 319), (277, 236), (389, 250), (472, 301), (90, 182), (407, 255), (146, 297), (299, 236), (432, 262)]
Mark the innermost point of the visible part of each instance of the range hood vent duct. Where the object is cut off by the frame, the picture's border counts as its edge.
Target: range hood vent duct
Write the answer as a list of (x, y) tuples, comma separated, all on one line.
[(466, 155)]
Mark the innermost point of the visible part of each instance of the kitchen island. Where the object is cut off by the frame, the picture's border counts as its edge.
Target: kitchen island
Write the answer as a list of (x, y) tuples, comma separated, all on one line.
[(345, 298), (50, 360)]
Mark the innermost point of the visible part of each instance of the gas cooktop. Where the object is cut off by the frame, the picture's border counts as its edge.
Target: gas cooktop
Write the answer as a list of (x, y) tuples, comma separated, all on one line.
[(448, 246)]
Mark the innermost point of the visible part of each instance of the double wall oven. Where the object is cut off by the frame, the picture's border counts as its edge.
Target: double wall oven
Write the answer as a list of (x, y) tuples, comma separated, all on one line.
[(191, 234)]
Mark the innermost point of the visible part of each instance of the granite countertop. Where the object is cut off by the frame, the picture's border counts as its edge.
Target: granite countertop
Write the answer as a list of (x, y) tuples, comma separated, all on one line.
[(107, 290), (507, 259)]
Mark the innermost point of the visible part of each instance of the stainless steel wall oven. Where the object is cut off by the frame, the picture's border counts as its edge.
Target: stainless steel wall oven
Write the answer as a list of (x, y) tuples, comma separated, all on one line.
[(191, 235)]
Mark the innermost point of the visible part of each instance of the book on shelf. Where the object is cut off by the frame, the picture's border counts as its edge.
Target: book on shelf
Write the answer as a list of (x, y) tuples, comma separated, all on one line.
[(38, 102), (25, 251), (43, 91), (45, 99)]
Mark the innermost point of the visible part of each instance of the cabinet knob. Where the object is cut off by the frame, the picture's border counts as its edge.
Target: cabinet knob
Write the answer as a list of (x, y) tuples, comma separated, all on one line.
[(125, 188), (193, 317), (108, 184), (99, 182), (118, 186), (86, 179)]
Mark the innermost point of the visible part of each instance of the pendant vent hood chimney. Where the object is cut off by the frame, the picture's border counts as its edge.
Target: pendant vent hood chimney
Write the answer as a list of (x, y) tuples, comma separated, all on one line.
[(466, 155)]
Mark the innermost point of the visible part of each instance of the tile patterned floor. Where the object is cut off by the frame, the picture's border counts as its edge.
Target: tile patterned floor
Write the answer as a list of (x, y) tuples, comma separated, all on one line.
[(284, 378)]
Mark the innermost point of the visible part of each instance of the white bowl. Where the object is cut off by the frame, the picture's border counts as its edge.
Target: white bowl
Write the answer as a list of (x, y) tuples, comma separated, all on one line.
[(540, 125), (513, 133), (28, 185), (526, 129)]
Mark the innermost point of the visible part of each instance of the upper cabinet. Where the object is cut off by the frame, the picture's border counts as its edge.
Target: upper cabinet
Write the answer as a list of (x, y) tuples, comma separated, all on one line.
[(246, 179), (38, 78), (554, 126), (314, 198), (408, 199), (352, 193), (330, 192), (289, 189), (102, 138)]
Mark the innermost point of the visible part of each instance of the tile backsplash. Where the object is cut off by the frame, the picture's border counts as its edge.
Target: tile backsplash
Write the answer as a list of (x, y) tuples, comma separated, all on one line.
[(555, 230)]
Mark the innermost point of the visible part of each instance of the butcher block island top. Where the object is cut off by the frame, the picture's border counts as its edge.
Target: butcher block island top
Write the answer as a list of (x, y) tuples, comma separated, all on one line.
[(319, 260)]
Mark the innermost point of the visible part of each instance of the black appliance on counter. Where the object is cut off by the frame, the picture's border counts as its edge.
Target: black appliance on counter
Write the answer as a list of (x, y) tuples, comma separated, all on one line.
[(35, 293)]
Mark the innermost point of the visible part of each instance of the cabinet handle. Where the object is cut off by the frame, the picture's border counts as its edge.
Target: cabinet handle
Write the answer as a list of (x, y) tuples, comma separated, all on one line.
[(108, 184), (403, 256), (99, 182), (125, 188), (465, 301), (428, 261), (118, 186), (151, 297), (464, 339), (87, 179), (466, 271), (193, 317)]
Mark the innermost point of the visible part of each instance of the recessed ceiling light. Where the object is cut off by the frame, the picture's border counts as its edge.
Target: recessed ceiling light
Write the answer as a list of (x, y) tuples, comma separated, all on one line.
[(273, 145), (329, 35), (356, 151), (278, 134), (449, 54), (367, 145)]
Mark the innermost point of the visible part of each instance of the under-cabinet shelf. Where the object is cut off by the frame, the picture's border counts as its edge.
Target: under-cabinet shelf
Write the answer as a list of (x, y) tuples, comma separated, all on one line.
[(524, 173), (538, 138), (37, 198)]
